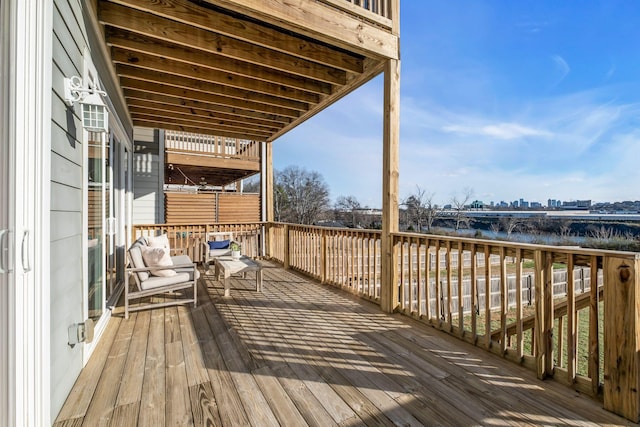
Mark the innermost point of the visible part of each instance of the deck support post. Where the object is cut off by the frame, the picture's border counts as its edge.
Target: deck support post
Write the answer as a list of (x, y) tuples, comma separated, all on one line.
[(543, 314), (622, 336), (390, 173), (266, 188)]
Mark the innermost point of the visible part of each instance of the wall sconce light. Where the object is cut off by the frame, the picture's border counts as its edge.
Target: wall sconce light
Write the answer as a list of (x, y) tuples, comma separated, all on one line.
[(95, 117)]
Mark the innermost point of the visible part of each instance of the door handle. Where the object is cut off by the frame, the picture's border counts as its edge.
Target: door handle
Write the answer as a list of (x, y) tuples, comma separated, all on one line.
[(4, 252), (26, 264)]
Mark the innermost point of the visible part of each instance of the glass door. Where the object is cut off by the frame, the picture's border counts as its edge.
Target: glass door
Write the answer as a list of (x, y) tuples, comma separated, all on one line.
[(96, 213), (110, 221)]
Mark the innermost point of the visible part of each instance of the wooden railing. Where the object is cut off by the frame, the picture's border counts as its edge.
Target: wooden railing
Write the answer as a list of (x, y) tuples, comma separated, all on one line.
[(188, 239), (214, 146), (369, 9), (347, 258), (565, 312), (541, 306)]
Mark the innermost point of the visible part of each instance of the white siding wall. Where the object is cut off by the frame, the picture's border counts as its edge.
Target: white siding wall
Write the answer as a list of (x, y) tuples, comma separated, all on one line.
[(73, 35), (148, 177), (69, 42)]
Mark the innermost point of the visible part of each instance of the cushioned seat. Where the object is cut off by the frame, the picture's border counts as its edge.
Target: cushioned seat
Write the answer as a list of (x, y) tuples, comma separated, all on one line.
[(217, 244), (155, 282), (156, 272)]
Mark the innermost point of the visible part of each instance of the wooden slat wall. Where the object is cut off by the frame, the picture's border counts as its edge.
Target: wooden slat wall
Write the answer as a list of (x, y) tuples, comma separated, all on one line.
[(233, 207), (181, 208), (188, 208)]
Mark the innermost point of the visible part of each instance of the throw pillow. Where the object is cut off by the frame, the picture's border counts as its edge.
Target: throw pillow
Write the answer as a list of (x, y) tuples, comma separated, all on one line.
[(157, 257), (161, 241), (219, 244)]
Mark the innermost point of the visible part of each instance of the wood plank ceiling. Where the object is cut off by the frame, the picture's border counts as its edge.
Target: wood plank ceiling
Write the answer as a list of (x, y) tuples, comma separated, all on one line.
[(192, 66)]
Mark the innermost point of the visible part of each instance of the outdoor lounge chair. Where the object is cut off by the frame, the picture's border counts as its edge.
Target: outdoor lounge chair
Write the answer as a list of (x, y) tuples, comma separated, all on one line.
[(217, 244), (155, 278)]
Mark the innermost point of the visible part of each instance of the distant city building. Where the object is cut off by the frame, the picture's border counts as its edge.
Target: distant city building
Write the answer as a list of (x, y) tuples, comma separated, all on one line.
[(477, 204), (577, 204), (535, 205)]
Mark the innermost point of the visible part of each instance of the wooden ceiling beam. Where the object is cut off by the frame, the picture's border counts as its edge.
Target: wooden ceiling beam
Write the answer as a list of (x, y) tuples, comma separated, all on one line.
[(160, 124), (175, 32), (150, 62), (193, 161), (320, 22), (210, 19), (154, 76), (211, 98), (172, 100), (203, 114), (198, 120), (133, 42)]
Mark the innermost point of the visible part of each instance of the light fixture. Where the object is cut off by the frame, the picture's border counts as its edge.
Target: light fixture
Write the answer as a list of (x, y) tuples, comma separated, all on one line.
[(95, 117)]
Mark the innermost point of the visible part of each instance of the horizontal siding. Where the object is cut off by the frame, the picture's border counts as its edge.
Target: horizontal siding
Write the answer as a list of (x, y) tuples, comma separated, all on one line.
[(65, 171), (65, 225), (66, 257), (143, 134), (66, 309), (65, 144), (65, 198), (147, 196)]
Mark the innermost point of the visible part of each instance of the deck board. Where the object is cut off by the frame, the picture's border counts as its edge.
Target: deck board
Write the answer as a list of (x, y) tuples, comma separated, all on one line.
[(301, 353), (178, 406), (152, 400)]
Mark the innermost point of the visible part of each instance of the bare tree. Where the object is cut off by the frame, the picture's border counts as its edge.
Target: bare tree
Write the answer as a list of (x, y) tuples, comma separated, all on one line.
[(350, 205), (301, 196), (459, 204), (280, 201), (510, 224), (564, 228), (495, 227), (602, 233), (421, 210), (251, 184)]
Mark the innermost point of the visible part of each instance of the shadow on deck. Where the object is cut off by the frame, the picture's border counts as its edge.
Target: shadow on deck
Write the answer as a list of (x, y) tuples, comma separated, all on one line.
[(304, 354)]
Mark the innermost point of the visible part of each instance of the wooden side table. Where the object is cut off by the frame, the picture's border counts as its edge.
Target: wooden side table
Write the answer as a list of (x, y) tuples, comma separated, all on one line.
[(226, 266)]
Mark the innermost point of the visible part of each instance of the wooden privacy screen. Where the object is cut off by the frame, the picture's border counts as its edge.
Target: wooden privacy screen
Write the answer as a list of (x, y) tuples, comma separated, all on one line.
[(234, 207), (207, 208)]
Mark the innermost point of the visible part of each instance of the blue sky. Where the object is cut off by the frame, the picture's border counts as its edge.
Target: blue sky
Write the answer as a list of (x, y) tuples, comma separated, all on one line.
[(533, 99)]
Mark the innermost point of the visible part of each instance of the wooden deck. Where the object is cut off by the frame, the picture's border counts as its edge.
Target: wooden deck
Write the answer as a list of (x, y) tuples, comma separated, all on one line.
[(304, 354)]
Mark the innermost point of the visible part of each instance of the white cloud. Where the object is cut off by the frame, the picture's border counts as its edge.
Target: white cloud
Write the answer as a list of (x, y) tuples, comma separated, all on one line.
[(562, 66), (499, 131)]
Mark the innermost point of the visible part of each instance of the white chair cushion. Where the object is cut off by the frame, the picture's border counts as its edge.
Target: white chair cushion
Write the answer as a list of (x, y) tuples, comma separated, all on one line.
[(219, 252), (157, 257), (158, 282), (161, 241), (135, 253)]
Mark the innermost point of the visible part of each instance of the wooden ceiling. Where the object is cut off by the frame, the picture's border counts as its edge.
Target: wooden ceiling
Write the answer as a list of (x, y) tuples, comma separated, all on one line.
[(192, 66)]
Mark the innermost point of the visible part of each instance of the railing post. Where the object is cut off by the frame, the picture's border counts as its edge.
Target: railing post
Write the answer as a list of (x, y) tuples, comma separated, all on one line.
[(622, 336), (543, 314), (323, 260), (286, 247)]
